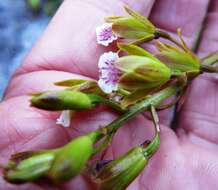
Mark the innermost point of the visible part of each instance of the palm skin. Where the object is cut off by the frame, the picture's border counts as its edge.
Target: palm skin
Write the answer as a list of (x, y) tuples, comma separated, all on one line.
[(187, 158)]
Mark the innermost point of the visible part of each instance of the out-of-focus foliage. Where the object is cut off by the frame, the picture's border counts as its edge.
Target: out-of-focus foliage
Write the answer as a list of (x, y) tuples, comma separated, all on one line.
[(47, 6)]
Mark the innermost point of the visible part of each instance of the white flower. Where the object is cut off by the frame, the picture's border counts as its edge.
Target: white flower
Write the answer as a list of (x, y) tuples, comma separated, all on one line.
[(65, 118), (109, 74), (105, 35)]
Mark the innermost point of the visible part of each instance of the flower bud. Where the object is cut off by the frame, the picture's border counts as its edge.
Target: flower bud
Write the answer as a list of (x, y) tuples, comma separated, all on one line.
[(119, 173), (141, 72), (28, 166), (85, 86), (62, 100), (58, 165), (136, 27), (178, 60), (139, 86), (70, 159)]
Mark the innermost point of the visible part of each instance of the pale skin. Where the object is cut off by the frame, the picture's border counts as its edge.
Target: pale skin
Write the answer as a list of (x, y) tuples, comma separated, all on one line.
[(188, 156)]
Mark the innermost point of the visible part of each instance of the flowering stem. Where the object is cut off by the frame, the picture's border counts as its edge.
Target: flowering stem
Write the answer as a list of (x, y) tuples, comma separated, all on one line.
[(153, 100)]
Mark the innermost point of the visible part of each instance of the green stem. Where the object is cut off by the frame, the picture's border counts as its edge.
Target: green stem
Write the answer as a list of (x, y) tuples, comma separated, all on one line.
[(211, 59), (154, 100), (95, 136), (165, 35), (113, 105), (98, 99), (103, 144), (209, 69), (152, 147)]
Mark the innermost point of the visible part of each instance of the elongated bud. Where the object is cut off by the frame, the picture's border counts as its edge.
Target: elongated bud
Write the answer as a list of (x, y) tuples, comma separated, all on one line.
[(135, 27), (119, 173), (28, 166), (179, 60), (62, 100), (141, 72), (58, 165), (71, 159)]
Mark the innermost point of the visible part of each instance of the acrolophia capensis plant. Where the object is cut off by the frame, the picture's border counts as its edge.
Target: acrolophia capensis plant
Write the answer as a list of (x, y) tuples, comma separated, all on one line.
[(132, 81)]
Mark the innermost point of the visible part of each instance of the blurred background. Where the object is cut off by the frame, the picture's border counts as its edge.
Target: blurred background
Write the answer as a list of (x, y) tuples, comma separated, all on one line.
[(21, 23)]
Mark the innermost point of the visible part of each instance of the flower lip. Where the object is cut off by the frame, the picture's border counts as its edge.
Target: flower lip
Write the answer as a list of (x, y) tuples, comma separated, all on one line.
[(105, 35), (109, 74)]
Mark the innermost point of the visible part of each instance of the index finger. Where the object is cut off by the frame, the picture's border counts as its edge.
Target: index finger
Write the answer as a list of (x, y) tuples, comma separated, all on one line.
[(69, 42)]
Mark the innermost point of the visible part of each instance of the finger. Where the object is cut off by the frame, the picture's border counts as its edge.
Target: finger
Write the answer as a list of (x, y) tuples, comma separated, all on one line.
[(199, 116), (69, 43), (24, 127), (6, 186), (73, 49), (187, 15), (37, 81)]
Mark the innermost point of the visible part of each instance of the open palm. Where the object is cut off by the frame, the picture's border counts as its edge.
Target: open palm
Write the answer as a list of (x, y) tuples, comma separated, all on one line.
[(187, 158)]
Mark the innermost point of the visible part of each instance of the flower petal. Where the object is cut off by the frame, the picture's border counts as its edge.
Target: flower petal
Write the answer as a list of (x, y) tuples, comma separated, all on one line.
[(65, 118), (105, 35), (107, 88), (106, 58), (109, 74)]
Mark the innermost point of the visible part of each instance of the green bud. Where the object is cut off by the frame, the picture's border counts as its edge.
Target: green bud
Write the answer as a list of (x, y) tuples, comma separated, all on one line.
[(139, 86), (136, 27), (62, 100), (119, 173), (178, 60), (28, 166), (135, 50), (71, 82), (141, 72), (85, 86), (58, 165), (71, 159)]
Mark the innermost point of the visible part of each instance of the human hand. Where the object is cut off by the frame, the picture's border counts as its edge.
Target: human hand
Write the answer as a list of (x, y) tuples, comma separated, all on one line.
[(187, 157)]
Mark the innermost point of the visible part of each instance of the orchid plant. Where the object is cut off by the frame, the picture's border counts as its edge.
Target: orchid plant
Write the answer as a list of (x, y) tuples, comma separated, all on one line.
[(131, 81)]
